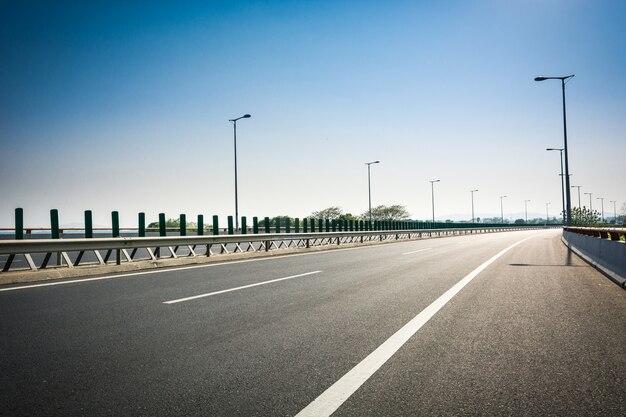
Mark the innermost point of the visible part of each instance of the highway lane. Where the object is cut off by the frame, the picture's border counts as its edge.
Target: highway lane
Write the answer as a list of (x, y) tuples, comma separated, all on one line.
[(112, 347)]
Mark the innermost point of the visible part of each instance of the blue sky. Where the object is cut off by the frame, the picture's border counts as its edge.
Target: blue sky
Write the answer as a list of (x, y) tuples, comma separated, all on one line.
[(119, 106)]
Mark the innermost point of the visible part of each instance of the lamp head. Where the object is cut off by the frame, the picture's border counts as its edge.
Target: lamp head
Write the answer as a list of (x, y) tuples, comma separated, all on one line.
[(541, 78)]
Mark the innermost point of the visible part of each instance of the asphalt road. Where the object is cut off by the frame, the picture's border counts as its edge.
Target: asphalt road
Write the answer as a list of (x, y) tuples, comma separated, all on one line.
[(448, 326)]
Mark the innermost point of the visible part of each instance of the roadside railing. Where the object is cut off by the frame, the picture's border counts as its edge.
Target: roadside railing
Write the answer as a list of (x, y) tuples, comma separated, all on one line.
[(614, 233), (72, 253)]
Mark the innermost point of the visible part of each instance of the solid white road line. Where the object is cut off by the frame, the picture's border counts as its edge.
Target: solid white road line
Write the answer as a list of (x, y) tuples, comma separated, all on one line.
[(180, 300), (415, 251), (331, 399)]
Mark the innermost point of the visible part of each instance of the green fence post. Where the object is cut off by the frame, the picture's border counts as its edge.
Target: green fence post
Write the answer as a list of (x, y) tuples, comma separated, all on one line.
[(312, 223), (320, 225), (88, 224), (183, 225), (244, 225), (54, 224), (19, 224), (297, 225), (305, 225), (266, 222), (255, 225), (327, 224), (162, 231), (277, 224), (216, 225), (200, 230), (115, 224), (230, 225), (334, 224), (141, 223), (288, 225)]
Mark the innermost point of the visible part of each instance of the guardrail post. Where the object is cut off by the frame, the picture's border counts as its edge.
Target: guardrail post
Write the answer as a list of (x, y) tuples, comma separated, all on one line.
[(54, 224), (162, 231), (255, 225), (19, 224), (183, 225), (200, 230), (88, 224), (297, 225), (287, 225), (216, 225), (244, 225), (266, 222), (115, 224), (230, 225), (141, 232)]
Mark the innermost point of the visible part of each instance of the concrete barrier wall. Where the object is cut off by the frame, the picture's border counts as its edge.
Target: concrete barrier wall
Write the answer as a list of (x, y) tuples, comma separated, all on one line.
[(606, 255)]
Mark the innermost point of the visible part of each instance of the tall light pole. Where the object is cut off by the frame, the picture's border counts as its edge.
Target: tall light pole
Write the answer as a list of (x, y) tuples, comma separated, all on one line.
[(614, 211), (578, 186), (473, 191), (502, 209), (547, 215), (245, 116), (590, 205), (568, 214), (602, 205), (369, 188), (432, 193), (562, 187), (526, 209)]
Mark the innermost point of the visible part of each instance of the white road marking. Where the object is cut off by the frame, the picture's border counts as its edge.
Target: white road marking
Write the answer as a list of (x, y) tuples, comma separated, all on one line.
[(180, 300), (331, 399), (416, 251)]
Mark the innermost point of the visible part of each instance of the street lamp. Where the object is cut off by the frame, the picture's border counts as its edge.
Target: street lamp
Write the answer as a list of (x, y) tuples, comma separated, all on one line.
[(547, 215), (526, 209), (578, 186), (502, 209), (432, 192), (369, 188), (473, 191), (562, 188), (614, 211), (602, 205), (590, 205), (568, 214), (245, 116)]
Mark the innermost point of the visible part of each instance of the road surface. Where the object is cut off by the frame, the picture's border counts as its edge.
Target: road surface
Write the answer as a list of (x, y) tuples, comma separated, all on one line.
[(495, 324)]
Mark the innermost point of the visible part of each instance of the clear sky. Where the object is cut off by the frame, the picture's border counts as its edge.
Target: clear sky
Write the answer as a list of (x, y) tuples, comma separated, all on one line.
[(125, 106)]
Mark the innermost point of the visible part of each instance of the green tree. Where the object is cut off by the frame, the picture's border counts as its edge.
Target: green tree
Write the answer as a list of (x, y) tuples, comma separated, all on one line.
[(585, 217), (168, 223), (330, 213), (282, 221), (382, 212)]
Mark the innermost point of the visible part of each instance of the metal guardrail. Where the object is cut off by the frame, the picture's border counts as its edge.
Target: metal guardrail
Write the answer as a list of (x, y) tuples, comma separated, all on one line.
[(615, 233), (126, 249)]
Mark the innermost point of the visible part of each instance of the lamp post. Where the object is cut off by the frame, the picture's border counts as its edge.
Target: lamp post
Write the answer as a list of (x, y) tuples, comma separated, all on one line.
[(432, 193), (369, 188), (568, 214), (547, 215), (472, 192), (578, 186), (526, 209), (601, 205), (562, 187), (502, 209), (245, 116), (614, 211), (590, 205)]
